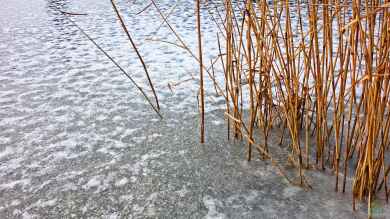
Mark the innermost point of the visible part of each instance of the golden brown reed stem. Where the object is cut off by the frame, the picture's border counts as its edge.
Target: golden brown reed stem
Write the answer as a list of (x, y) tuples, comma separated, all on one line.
[(200, 70), (136, 51), (111, 59)]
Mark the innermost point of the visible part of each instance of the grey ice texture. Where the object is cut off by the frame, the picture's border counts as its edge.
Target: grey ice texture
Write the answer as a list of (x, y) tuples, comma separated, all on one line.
[(77, 140)]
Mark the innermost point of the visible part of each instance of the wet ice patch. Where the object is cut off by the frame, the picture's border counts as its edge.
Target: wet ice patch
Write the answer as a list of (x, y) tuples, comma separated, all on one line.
[(291, 191), (252, 195), (238, 200)]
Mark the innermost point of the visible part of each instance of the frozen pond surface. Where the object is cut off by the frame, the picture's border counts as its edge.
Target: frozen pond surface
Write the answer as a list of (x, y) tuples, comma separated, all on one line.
[(78, 140)]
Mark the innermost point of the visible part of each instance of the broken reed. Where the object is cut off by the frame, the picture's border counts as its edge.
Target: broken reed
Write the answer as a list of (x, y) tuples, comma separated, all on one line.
[(322, 73)]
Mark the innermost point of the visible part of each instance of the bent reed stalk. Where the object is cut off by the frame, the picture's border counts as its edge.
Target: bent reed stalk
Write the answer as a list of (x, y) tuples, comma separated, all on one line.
[(123, 25), (66, 15)]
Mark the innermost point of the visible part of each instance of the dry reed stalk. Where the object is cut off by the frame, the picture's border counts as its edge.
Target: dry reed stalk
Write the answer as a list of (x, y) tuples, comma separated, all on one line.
[(136, 51), (200, 70), (251, 75), (157, 110), (185, 47)]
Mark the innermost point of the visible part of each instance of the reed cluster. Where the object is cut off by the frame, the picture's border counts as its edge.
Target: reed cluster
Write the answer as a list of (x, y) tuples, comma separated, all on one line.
[(320, 70)]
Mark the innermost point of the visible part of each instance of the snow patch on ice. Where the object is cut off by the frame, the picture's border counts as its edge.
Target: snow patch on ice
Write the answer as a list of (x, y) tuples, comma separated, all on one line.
[(182, 192), (26, 215), (211, 204), (7, 151), (139, 139), (93, 182), (112, 216), (48, 203), (217, 122), (121, 182), (126, 198), (141, 164), (11, 185)]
